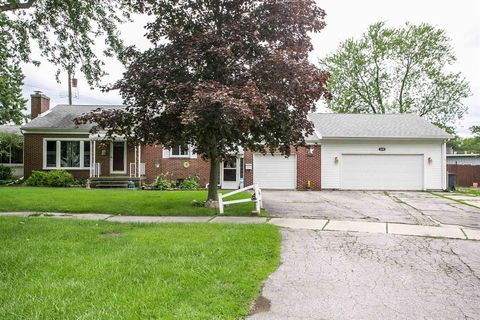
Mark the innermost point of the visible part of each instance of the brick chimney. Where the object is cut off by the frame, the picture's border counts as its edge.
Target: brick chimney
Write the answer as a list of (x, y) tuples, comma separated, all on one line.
[(40, 104)]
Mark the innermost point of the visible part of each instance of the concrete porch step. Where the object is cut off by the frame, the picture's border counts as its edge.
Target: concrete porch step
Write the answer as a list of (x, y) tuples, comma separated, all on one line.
[(113, 181)]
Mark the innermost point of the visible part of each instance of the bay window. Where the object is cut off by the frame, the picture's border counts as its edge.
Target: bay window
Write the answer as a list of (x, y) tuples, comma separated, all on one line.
[(66, 154)]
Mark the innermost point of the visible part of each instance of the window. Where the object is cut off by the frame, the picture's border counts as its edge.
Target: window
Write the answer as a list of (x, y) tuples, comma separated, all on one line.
[(86, 153), (70, 154), (11, 155), (51, 152), (179, 152), (66, 154)]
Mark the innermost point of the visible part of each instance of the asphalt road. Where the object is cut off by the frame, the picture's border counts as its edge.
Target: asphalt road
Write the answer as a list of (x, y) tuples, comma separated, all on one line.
[(338, 275)]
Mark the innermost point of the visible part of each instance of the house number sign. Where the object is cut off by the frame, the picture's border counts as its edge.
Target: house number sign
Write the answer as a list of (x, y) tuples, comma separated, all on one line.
[(382, 149)]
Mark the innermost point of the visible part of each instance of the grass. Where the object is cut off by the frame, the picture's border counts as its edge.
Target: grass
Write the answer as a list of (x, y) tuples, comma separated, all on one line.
[(113, 201), (471, 191), (65, 269)]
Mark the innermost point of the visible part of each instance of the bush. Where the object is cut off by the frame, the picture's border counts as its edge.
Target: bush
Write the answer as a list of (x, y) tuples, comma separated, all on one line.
[(6, 173), (191, 183), (164, 181), (59, 178), (54, 178), (37, 178)]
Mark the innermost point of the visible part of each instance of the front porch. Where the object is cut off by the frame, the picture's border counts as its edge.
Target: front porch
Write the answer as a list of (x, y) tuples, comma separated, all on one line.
[(114, 164)]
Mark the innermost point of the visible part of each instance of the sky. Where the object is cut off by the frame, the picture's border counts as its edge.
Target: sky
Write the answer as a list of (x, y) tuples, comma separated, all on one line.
[(345, 19)]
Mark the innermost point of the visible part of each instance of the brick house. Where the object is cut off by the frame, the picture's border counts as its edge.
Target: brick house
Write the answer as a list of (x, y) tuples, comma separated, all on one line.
[(347, 151)]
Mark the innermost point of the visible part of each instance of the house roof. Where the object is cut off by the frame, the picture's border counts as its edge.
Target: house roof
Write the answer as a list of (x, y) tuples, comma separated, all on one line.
[(61, 117), (10, 129), (395, 126), (327, 125), (463, 155)]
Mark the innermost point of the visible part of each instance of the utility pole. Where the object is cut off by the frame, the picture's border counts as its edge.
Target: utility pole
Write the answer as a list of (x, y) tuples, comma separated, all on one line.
[(69, 87)]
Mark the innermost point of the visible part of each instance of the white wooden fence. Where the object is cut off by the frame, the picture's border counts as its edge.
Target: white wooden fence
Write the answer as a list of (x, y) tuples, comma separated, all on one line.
[(256, 197)]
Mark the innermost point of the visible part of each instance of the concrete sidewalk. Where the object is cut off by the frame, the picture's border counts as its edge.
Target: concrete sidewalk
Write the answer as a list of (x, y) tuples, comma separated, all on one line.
[(453, 232)]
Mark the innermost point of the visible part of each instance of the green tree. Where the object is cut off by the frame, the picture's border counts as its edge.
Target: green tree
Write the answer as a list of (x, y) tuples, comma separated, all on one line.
[(397, 70), (475, 130), (10, 144), (232, 73), (469, 145), (63, 32)]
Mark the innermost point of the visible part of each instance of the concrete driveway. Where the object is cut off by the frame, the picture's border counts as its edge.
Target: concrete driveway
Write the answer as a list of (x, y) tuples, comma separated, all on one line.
[(337, 275), (376, 206)]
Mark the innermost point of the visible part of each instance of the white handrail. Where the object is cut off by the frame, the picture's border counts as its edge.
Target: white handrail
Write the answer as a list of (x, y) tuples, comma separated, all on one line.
[(257, 198), (97, 170)]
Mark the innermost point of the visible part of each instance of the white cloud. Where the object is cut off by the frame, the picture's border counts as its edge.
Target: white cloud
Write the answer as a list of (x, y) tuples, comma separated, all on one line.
[(344, 19)]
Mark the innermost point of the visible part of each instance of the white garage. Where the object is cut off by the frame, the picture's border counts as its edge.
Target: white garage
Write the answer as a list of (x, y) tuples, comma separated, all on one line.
[(381, 172), (275, 171), (380, 152)]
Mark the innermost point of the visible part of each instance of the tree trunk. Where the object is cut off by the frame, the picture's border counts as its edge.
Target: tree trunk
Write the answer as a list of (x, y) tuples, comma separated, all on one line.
[(213, 181)]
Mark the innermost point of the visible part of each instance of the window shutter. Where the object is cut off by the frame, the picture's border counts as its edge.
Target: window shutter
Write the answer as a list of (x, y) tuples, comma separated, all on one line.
[(166, 153), (193, 155)]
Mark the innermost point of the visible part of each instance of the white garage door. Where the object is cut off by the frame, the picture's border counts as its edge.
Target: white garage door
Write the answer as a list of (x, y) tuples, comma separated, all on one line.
[(274, 172), (381, 172)]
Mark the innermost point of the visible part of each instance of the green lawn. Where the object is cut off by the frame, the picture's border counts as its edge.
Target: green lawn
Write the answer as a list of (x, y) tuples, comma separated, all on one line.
[(70, 269), (113, 201), (472, 191)]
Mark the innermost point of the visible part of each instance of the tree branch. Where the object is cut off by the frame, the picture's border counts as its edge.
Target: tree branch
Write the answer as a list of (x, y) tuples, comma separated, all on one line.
[(404, 81), (16, 5)]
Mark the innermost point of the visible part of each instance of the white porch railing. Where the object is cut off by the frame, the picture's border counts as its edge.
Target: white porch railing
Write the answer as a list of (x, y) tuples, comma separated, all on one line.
[(133, 169), (96, 169), (256, 197)]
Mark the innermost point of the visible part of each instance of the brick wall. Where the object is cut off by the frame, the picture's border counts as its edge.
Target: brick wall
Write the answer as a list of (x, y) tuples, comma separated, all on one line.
[(308, 167), (152, 155), (33, 153)]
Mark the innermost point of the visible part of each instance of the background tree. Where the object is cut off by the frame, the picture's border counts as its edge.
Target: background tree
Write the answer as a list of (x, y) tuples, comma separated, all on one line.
[(469, 144), (397, 70), (10, 145), (221, 75), (63, 32), (475, 130)]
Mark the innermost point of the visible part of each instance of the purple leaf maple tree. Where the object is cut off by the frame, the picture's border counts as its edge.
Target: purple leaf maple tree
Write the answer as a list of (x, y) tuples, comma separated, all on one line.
[(220, 75)]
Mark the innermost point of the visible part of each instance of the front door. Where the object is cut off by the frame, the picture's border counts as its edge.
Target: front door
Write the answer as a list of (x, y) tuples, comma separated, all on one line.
[(230, 174), (118, 157)]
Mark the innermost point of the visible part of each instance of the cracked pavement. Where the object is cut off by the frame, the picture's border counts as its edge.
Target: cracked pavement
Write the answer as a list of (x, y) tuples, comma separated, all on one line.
[(420, 208), (338, 275)]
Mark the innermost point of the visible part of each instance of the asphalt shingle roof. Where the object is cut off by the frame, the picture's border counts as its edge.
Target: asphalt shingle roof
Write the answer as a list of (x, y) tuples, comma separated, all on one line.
[(62, 116), (334, 125), (10, 129), (327, 125)]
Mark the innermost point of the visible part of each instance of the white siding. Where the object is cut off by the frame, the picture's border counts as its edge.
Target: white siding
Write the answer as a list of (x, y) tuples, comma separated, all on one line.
[(471, 160), (433, 171)]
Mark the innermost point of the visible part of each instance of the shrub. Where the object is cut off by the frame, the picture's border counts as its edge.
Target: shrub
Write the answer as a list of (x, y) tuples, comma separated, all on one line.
[(164, 181), (6, 173), (59, 178), (37, 178), (191, 183), (54, 178)]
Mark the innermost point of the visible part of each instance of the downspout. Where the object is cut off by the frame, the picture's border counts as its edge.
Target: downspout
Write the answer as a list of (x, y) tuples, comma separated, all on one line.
[(444, 165)]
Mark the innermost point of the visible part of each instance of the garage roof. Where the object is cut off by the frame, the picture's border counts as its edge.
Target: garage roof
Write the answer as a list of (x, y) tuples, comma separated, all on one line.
[(62, 116), (396, 126)]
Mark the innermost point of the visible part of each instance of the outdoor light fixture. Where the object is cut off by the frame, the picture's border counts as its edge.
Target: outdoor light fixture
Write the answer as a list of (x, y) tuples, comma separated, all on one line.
[(336, 159), (157, 164), (430, 160), (310, 151)]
